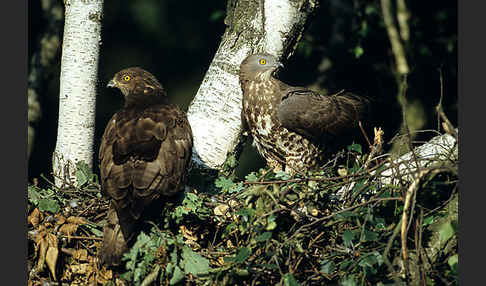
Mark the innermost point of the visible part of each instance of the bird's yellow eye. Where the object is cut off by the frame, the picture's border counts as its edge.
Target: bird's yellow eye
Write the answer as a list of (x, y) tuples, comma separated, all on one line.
[(263, 61), (126, 78)]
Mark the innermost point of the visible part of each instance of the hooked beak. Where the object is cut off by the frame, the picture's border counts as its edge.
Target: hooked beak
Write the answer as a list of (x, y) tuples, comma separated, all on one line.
[(111, 83), (279, 65)]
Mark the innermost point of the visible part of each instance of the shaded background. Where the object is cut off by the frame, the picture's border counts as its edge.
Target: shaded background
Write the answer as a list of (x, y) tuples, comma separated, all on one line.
[(345, 47)]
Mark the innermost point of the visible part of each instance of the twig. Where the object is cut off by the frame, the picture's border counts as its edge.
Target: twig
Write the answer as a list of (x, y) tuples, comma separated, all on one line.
[(297, 180), (364, 134), (404, 225), (447, 125), (82, 237), (387, 250), (341, 211)]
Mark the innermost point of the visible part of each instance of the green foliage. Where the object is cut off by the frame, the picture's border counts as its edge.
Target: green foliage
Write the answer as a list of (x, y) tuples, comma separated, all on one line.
[(446, 231), (44, 199), (84, 175), (191, 205), (194, 263)]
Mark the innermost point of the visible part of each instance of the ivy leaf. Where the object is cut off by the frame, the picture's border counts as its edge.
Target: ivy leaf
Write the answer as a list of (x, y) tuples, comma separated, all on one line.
[(348, 237), (241, 256), (82, 173), (428, 220), (370, 235), (289, 280), (49, 205), (176, 276), (327, 266), (194, 263), (33, 195), (355, 148), (446, 231), (223, 183), (358, 52), (453, 262), (348, 281), (236, 188), (264, 236), (251, 177)]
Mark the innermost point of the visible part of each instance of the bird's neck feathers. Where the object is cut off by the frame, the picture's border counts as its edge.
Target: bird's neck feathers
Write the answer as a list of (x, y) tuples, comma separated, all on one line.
[(140, 101), (257, 76)]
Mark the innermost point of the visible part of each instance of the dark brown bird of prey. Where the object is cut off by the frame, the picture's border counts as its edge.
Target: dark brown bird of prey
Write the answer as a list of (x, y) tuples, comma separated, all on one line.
[(295, 128), (144, 157)]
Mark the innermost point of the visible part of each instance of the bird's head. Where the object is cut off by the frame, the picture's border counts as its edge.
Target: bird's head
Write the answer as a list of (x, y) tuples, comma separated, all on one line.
[(137, 82), (259, 66)]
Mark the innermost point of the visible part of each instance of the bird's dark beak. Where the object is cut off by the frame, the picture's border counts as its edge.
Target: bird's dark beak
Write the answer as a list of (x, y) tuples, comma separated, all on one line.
[(111, 83), (279, 65)]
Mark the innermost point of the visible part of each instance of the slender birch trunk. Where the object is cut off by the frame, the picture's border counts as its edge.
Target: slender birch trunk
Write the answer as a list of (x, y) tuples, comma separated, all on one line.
[(79, 71), (273, 26)]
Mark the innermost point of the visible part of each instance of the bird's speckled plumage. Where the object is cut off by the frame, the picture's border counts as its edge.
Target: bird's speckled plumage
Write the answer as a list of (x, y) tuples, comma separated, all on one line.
[(144, 155), (294, 128)]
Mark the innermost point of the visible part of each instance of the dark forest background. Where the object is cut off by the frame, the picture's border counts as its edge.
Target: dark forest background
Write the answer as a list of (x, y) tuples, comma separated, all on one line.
[(345, 46)]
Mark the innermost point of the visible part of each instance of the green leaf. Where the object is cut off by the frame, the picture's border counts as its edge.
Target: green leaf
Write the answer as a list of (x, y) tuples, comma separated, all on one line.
[(348, 237), (453, 262), (49, 205), (83, 173), (193, 262), (177, 276), (368, 261), (378, 257), (370, 235), (251, 177), (355, 148), (93, 229), (282, 175), (428, 220), (223, 183), (345, 214), (241, 256), (370, 10), (289, 280), (236, 188), (348, 281), (264, 236), (327, 266), (33, 195), (358, 52), (246, 212), (380, 223), (446, 231)]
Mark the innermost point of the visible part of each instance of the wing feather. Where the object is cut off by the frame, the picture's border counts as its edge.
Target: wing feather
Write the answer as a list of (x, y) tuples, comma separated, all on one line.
[(314, 115)]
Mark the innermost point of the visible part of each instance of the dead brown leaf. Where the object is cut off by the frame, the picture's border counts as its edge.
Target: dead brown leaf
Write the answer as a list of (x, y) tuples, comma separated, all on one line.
[(68, 229), (81, 254), (42, 247), (35, 217), (76, 220), (59, 219), (52, 253), (51, 259)]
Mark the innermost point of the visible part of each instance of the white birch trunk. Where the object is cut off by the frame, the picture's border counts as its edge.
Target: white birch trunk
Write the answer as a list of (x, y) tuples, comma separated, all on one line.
[(273, 26), (442, 149), (79, 72)]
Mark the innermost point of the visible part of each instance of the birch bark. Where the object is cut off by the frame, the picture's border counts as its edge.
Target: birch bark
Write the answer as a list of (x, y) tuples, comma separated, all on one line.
[(273, 26), (79, 71)]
